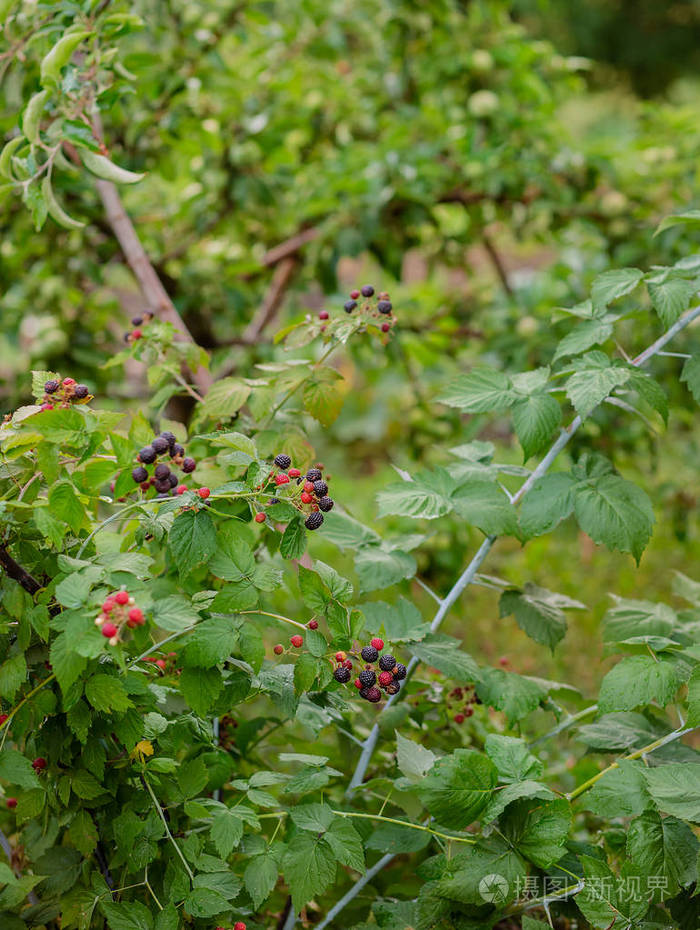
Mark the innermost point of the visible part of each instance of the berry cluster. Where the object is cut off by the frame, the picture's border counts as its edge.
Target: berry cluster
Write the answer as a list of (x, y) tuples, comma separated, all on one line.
[(372, 307), (118, 611), (163, 479), (133, 335), (369, 683), (465, 698), (64, 393), (166, 664), (309, 494)]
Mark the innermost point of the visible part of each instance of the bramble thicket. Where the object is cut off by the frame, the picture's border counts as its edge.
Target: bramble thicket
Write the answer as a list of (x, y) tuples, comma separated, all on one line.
[(349, 356)]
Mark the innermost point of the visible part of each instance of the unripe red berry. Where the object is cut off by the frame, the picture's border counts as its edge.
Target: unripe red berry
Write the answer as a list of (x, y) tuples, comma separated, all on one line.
[(354, 294), (347, 663), (68, 382), (294, 473), (297, 641), (377, 643), (3, 718), (11, 803), (136, 615), (281, 479), (459, 718), (181, 488), (161, 663), (108, 606), (386, 327), (305, 498), (309, 487), (340, 657), (204, 493), (503, 660), (121, 597), (312, 624), (239, 925), (109, 630), (260, 517), (46, 407), (278, 649), (39, 764), (468, 711), (323, 315), (385, 678), (136, 334), (358, 684)]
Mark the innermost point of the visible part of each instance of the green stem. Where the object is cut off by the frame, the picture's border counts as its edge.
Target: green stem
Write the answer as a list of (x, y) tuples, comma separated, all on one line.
[(6, 725), (157, 806)]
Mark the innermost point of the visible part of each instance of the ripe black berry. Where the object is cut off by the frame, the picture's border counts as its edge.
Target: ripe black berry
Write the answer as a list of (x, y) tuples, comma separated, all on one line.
[(314, 474), (367, 290), (51, 386), (169, 438), (363, 692), (369, 654), (374, 695), (80, 391), (139, 474), (147, 455), (320, 488), (399, 672), (283, 461), (136, 320), (393, 688), (160, 444), (386, 663), (163, 487), (172, 478), (367, 677), (314, 520), (161, 471), (342, 675), (189, 465), (273, 500), (384, 306), (176, 449), (349, 305), (325, 504)]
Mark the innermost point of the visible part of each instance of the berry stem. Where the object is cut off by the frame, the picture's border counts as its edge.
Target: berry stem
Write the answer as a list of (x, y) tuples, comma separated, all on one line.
[(265, 613), (406, 823)]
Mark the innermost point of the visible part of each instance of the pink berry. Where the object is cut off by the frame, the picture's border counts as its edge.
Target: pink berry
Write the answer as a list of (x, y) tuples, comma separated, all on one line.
[(378, 643), (294, 473), (68, 382), (260, 517), (385, 678), (347, 663), (161, 663), (312, 624), (136, 334), (297, 641), (358, 684), (340, 657), (386, 327), (46, 407), (12, 803), (239, 925), (108, 606), (281, 479), (305, 498), (109, 630), (121, 597), (136, 615), (204, 493), (278, 649), (3, 718), (181, 488), (459, 718), (323, 315), (354, 294)]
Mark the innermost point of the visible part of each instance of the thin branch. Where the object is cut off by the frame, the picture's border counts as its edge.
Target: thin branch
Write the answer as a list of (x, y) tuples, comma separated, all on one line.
[(470, 571), (289, 247), (497, 263), (15, 571), (281, 279), (354, 891), (156, 804)]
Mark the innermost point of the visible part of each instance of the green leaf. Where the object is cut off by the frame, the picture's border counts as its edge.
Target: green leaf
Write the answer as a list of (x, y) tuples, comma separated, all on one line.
[(60, 55), (694, 699), (593, 380), (621, 792), (549, 501), (690, 375), (200, 688), (458, 787), (483, 390), (514, 695), (211, 642), (55, 209), (65, 505), (402, 622), (227, 832), (535, 418), (505, 796), (378, 569), (484, 504), (538, 612), (689, 218), (488, 873), (17, 769), (103, 168), (392, 838), (426, 497), (584, 336), (598, 900), (444, 653), (414, 761), (85, 785), (637, 681), (233, 559), (675, 789), (225, 398), (293, 542), (106, 693), (66, 663), (127, 916), (174, 613), (192, 539), (670, 298), (13, 674), (168, 918), (33, 113), (613, 284), (192, 777), (323, 395), (347, 533), (306, 669), (664, 848), (309, 867), (512, 758), (260, 877), (346, 844), (615, 513), (538, 829), (205, 902)]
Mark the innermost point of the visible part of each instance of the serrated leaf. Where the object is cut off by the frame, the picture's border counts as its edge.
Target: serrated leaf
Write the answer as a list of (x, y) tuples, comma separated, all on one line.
[(675, 789), (512, 758), (225, 398), (323, 396), (346, 844), (309, 867), (535, 418), (200, 688), (458, 787), (293, 542), (689, 218), (637, 681), (613, 284), (211, 642), (483, 390), (484, 505), (444, 653), (665, 848), (549, 501), (426, 497), (515, 695), (538, 612), (615, 513), (621, 792), (107, 694), (378, 569), (670, 298), (17, 769), (593, 381), (192, 539), (260, 877), (538, 829), (690, 375), (586, 335)]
